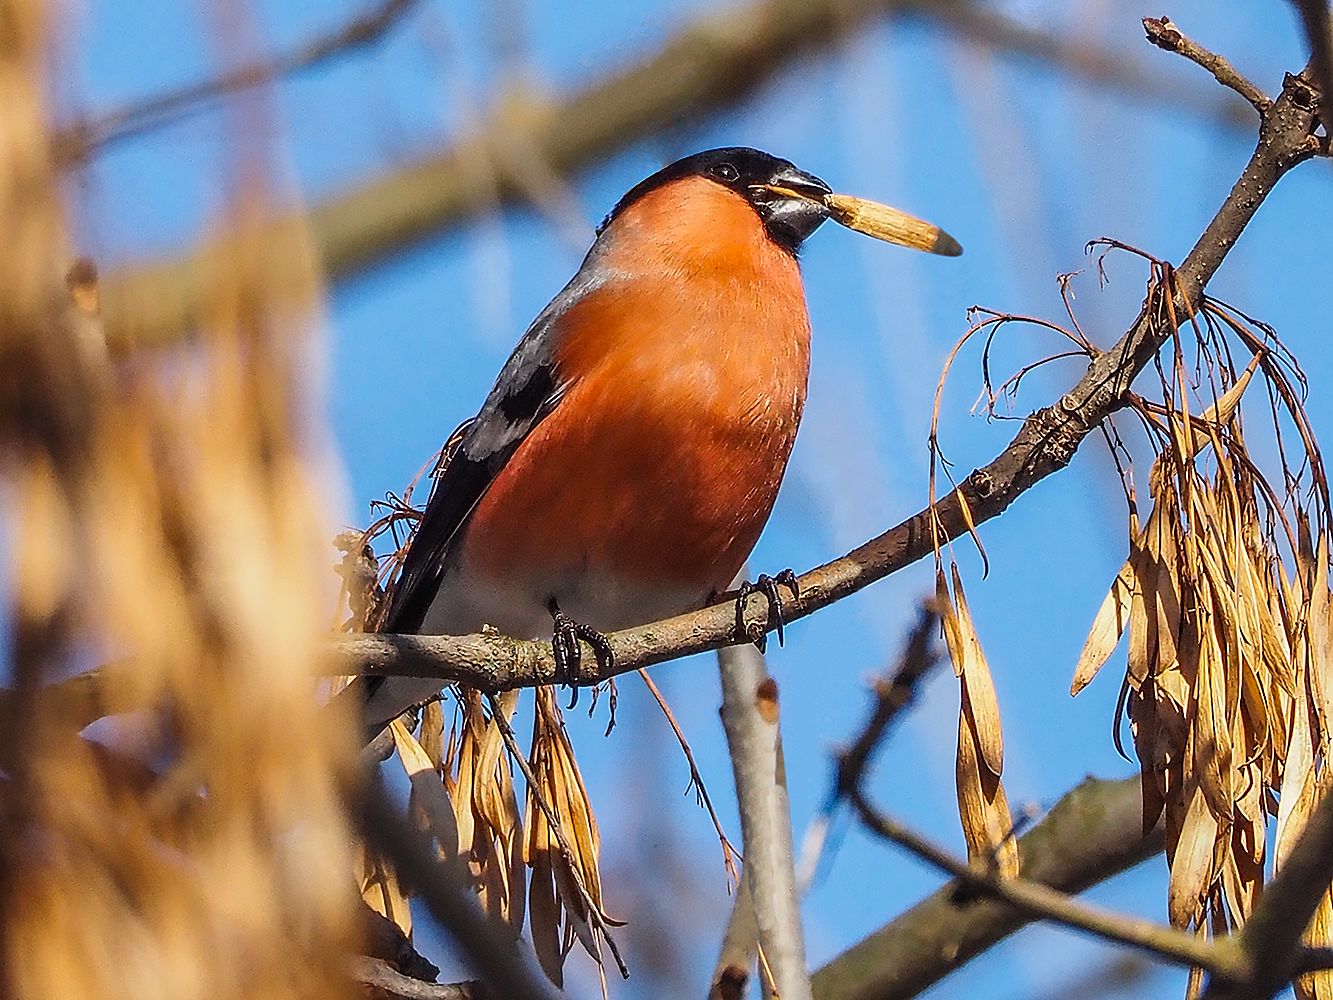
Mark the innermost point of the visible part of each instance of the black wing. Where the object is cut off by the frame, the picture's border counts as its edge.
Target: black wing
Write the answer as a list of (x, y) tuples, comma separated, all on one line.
[(529, 387)]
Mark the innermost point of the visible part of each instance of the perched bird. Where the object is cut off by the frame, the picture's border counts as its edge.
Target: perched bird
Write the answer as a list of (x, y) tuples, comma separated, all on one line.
[(630, 452)]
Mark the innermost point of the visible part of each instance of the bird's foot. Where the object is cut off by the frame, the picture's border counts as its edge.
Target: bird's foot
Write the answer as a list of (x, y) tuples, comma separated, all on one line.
[(768, 586), (565, 645)]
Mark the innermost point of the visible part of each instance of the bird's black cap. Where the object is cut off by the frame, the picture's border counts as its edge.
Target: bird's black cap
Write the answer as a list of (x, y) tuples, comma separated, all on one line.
[(751, 173)]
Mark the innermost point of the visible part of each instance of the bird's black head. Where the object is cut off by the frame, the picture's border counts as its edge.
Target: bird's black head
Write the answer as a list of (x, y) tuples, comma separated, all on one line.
[(789, 218)]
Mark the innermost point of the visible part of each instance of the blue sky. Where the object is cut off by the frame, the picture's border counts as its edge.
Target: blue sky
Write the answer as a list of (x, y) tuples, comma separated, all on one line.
[(1021, 163)]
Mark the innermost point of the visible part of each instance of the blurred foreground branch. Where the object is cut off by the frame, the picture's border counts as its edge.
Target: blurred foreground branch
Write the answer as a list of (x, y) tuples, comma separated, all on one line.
[(490, 950), (715, 61)]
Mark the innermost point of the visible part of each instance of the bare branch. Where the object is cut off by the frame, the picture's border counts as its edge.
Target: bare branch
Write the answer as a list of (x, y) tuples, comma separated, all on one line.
[(1044, 444), (1165, 35), (893, 695), (1082, 60), (382, 980), (1221, 957), (713, 62), (1036, 900), (750, 718), (1092, 833), (77, 142)]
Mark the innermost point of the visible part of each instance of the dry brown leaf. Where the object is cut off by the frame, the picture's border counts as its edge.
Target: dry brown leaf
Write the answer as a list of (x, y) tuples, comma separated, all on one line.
[(1107, 628), (428, 792), (988, 826), (543, 907), (1192, 868), (970, 663), (382, 891)]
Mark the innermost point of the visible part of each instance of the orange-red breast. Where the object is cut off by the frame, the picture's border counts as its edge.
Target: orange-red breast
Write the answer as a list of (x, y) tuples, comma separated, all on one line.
[(625, 462)]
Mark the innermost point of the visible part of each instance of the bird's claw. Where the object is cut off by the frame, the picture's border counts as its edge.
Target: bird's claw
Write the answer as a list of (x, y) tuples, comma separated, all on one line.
[(565, 638), (768, 586)]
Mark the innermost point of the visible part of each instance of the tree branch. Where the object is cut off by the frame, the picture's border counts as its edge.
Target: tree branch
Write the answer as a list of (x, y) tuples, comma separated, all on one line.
[(750, 718), (1044, 444), (1082, 60), (713, 62), (1040, 902), (1165, 35), (382, 980), (77, 142), (1094, 832)]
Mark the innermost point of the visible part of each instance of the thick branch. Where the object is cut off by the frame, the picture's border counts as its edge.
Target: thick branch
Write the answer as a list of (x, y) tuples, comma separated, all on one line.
[(750, 718), (1094, 832), (713, 62)]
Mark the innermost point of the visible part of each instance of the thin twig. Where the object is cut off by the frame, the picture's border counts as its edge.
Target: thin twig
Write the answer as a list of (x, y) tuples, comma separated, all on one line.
[(1100, 66), (1035, 899), (1094, 832), (750, 719), (75, 143), (1165, 35), (1221, 957), (729, 852)]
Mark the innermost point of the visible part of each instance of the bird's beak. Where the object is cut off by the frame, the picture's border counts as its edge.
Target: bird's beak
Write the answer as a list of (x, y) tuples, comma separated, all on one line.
[(873, 219), (791, 204)]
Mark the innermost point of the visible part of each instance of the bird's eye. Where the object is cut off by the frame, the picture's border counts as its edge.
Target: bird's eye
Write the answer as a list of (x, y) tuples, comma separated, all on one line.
[(726, 172)]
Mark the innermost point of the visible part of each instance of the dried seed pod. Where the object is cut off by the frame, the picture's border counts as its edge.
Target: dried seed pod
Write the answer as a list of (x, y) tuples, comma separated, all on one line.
[(889, 224)]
